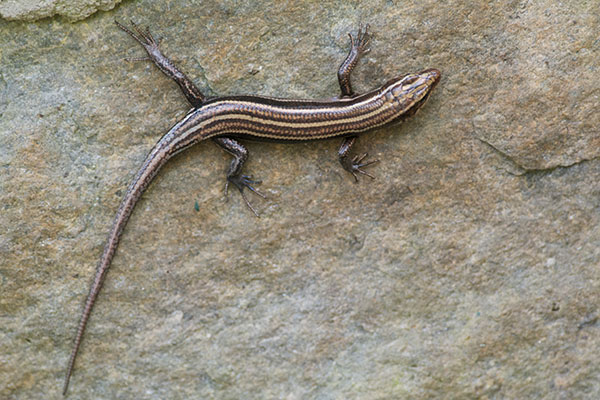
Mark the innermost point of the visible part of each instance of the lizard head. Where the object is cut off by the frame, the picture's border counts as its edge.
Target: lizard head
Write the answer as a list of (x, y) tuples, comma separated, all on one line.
[(412, 90)]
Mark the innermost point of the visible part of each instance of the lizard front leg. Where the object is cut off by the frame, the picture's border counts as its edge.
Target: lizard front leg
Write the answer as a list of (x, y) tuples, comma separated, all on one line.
[(358, 46), (353, 165)]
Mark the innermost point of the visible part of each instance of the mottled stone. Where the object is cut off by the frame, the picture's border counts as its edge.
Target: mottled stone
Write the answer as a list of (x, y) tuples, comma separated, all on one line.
[(469, 268), (32, 10)]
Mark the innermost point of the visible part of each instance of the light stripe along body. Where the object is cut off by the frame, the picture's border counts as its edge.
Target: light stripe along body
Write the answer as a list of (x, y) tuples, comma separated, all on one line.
[(254, 117)]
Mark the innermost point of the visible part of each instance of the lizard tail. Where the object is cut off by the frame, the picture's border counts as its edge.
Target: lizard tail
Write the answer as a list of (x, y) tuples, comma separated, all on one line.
[(154, 161)]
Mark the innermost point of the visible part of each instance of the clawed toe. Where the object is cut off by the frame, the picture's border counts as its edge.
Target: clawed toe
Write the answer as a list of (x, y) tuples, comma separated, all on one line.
[(357, 166), (143, 36), (362, 40), (245, 181)]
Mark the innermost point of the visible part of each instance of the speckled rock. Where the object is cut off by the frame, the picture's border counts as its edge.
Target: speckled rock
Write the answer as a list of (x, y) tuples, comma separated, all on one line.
[(469, 268), (74, 10)]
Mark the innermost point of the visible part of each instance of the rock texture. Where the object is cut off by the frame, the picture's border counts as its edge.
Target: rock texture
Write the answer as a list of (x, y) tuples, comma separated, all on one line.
[(468, 269), (32, 10)]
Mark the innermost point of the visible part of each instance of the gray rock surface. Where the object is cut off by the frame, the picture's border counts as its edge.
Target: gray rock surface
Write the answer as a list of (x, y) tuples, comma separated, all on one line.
[(468, 269), (32, 10)]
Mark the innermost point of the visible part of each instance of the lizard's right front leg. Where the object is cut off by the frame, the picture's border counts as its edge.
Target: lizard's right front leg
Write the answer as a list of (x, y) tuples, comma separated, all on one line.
[(145, 38)]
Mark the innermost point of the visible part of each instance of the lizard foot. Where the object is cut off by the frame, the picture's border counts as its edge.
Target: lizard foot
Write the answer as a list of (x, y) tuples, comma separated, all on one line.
[(360, 43), (242, 182), (143, 37), (356, 165)]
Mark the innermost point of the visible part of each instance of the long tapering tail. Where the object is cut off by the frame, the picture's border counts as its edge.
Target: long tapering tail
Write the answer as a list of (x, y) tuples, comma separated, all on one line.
[(155, 160)]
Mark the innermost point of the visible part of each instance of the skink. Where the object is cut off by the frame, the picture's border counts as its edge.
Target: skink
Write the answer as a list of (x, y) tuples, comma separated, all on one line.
[(227, 119)]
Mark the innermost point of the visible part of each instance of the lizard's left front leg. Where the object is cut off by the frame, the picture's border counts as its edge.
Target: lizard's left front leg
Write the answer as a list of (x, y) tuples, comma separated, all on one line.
[(359, 45)]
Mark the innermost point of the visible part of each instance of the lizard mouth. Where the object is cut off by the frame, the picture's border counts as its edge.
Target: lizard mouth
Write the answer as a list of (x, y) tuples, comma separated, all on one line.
[(432, 74)]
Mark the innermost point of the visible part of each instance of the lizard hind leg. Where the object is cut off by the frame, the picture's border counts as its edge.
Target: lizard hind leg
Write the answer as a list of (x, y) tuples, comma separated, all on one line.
[(234, 173), (151, 45)]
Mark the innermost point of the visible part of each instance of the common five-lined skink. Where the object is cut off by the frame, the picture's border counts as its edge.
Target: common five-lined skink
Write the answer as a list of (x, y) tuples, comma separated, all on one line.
[(226, 119)]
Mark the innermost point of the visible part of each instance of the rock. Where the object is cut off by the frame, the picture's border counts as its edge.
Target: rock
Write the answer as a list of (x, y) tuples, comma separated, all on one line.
[(73, 10), (467, 269)]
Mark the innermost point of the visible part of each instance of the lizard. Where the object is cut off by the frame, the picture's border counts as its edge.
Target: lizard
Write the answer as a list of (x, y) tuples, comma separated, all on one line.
[(225, 120)]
